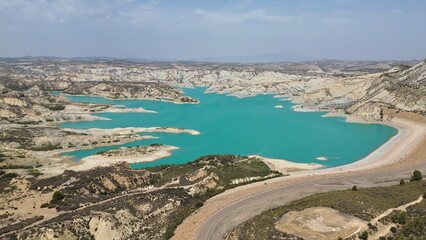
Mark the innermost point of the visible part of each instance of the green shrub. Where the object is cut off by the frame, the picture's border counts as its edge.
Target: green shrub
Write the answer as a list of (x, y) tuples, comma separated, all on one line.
[(417, 176), (56, 107), (8, 176), (199, 204), (10, 166), (363, 235), (399, 217), (354, 188), (402, 182), (34, 172), (387, 75), (57, 197), (44, 205), (46, 147)]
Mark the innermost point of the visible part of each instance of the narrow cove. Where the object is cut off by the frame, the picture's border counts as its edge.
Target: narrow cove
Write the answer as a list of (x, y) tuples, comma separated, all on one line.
[(244, 126)]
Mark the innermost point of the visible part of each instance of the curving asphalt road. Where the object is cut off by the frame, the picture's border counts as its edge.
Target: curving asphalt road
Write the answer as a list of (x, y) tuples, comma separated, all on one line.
[(217, 226)]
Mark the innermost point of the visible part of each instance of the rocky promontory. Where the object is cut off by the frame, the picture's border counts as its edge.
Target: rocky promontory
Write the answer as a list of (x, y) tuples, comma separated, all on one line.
[(359, 89)]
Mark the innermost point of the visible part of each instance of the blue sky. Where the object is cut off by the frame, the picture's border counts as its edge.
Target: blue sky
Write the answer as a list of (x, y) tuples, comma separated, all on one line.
[(172, 29)]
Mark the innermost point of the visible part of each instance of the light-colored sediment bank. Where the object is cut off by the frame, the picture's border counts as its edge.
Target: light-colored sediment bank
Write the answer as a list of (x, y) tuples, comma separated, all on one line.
[(128, 110), (102, 160), (59, 164), (407, 148), (287, 167), (131, 130)]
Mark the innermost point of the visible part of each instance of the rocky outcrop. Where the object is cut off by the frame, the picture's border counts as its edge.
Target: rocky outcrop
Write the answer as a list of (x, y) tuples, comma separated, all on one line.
[(26, 104), (14, 101), (402, 89), (120, 90), (357, 88), (118, 202)]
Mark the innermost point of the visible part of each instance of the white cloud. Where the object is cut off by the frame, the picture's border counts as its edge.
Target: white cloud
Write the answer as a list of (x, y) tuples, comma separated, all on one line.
[(58, 11), (253, 15)]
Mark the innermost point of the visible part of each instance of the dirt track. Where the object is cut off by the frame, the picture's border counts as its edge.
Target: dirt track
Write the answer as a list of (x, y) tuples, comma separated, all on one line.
[(225, 211), (229, 217)]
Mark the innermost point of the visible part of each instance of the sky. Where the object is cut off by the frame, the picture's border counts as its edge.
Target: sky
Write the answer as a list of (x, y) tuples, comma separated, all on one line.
[(198, 29)]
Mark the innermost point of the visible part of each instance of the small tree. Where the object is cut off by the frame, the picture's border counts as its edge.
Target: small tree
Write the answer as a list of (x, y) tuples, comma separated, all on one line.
[(57, 197), (402, 182), (354, 188), (399, 217), (363, 235), (417, 176)]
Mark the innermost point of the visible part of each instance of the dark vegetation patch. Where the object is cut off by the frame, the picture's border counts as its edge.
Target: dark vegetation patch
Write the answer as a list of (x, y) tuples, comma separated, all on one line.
[(56, 107), (3, 157), (411, 224), (20, 225), (5, 178), (10, 166), (105, 191), (46, 147), (226, 167)]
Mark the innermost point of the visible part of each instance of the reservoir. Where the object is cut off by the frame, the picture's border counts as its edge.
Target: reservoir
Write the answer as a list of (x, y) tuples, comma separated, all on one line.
[(259, 125)]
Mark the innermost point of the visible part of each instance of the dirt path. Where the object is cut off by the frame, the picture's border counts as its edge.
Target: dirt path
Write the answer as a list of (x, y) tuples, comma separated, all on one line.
[(396, 159), (383, 230)]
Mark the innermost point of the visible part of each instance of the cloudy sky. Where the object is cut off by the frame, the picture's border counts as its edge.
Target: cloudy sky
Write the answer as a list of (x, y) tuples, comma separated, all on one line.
[(195, 29)]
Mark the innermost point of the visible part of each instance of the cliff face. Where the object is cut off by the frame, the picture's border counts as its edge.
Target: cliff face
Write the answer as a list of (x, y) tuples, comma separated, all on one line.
[(400, 88), (120, 90), (361, 89), (31, 105), (16, 104)]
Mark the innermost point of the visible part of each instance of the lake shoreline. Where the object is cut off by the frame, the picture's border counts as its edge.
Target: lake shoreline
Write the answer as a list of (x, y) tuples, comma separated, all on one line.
[(102, 160), (295, 159), (407, 148)]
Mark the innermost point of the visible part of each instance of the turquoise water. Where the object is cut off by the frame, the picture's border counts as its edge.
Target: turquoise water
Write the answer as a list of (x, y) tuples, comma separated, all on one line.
[(247, 126)]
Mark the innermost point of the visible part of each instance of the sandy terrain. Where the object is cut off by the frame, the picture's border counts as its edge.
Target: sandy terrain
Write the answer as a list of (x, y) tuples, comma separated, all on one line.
[(327, 223), (131, 130), (103, 160), (286, 167), (408, 147), (128, 110), (28, 206), (319, 223), (57, 163)]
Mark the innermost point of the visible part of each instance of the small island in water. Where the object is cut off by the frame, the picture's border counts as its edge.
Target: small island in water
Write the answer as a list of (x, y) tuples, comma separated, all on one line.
[(78, 149)]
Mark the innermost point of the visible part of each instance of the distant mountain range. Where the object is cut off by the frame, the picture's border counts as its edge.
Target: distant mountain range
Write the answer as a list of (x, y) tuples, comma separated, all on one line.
[(232, 59), (252, 59), (274, 57)]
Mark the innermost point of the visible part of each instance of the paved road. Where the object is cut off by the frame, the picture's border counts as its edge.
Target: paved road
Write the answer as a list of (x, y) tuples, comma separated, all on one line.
[(231, 216)]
